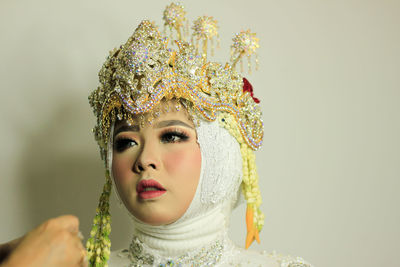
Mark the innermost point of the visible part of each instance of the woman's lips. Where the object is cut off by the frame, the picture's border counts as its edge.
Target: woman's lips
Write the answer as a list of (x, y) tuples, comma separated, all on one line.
[(147, 189)]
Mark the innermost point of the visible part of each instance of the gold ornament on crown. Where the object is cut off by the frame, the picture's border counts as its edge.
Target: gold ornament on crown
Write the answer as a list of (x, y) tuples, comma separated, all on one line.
[(143, 72), (205, 28), (174, 18), (244, 44)]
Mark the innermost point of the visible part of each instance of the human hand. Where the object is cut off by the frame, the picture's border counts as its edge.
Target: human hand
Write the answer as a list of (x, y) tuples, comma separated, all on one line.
[(55, 242), (7, 248)]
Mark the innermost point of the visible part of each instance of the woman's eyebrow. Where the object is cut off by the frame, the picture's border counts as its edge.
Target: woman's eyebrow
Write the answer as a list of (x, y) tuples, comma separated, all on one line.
[(161, 124), (171, 123), (127, 128)]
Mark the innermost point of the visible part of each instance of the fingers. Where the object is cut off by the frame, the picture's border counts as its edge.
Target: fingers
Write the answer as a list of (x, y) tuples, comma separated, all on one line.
[(16, 241), (64, 233), (73, 250), (68, 222), (82, 253), (7, 248), (56, 242), (83, 261)]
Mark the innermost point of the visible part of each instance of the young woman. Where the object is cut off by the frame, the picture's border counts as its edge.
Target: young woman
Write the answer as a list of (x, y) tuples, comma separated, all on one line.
[(177, 135)]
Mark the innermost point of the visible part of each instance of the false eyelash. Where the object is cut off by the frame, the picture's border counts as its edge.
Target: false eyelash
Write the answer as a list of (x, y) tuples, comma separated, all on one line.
[(174, 132), (123, 143)]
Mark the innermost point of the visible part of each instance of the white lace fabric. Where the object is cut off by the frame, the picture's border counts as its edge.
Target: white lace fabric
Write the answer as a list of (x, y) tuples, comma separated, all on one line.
[(222, 172)]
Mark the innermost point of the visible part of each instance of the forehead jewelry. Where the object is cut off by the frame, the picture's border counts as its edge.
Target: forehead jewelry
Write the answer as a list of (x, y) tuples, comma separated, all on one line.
[(151, 68)]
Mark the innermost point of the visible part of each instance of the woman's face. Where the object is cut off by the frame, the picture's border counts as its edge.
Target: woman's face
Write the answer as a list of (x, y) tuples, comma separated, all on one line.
[(156, 167)]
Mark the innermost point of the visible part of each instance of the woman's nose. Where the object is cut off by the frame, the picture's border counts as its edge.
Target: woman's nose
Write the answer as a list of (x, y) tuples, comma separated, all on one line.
[(142, 167), (147, 159)]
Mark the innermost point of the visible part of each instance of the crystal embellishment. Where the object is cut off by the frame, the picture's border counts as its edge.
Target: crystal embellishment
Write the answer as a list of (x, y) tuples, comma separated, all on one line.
[(205, 256), (139, 74)]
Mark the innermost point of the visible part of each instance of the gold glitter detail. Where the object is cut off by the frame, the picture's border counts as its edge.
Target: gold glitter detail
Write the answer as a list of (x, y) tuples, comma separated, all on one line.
[(174, 18), (205, 28), (143, 71), (245, 43)]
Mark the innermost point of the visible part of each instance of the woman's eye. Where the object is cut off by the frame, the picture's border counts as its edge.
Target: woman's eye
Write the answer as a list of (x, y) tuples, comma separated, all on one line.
[(173, 137), (122, 144)]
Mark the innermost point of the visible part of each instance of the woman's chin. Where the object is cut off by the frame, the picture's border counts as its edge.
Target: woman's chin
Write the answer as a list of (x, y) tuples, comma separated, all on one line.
[(156, 213), (156, 219)]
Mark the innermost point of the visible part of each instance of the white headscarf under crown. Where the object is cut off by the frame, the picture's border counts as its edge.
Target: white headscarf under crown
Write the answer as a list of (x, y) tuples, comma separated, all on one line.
[(217, 192)]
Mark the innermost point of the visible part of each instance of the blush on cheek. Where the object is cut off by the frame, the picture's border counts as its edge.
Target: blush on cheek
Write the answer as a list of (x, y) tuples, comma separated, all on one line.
[(182, 160)]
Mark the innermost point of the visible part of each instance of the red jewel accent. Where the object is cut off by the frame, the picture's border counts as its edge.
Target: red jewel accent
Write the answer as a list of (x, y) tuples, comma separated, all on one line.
[(248, 88)]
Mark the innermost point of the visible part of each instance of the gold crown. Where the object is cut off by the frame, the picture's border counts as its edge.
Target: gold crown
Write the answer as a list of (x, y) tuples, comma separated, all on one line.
[(143, 71)]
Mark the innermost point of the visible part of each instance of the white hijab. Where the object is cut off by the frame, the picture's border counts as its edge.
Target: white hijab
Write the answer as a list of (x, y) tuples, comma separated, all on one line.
[(217, 193)]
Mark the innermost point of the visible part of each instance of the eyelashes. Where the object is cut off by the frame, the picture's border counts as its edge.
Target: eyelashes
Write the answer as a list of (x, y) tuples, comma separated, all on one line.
[(173, 136), (123, 143), (166, 137)]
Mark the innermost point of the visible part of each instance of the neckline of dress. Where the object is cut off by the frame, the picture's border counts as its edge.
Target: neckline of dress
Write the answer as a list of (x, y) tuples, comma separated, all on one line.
[(140, 254)]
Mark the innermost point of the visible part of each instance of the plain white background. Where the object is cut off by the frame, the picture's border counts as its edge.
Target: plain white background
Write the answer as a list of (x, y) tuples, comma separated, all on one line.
[(328, 83)]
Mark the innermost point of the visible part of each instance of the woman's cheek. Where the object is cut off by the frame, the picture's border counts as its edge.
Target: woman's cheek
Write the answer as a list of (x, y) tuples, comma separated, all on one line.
[(183, 160), (121, 167)]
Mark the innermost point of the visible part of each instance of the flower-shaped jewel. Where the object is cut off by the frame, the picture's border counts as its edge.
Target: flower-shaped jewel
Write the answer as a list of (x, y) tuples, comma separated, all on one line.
[(205, 28), (174, 18), (174, 15), (245, 43)]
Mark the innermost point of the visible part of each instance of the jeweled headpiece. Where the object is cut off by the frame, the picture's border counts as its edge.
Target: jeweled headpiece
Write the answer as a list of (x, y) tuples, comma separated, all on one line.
[(144, 71)]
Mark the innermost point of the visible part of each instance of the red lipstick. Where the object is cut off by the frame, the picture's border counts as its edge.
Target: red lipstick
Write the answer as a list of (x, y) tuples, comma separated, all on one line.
[(148, 189)]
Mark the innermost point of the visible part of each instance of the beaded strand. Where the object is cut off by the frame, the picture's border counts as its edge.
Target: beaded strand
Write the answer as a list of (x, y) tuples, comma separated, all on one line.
[(98, 245)]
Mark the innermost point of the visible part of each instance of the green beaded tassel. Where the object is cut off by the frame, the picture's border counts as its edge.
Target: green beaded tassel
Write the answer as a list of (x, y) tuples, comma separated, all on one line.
[(98, 245)]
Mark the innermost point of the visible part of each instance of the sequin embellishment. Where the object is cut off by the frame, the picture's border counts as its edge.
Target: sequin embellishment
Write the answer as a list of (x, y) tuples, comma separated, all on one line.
[(289, 261), (139, 74), (205, 256)]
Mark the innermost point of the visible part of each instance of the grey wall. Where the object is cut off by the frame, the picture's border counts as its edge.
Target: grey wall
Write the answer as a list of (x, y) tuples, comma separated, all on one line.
[(329, 88)]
